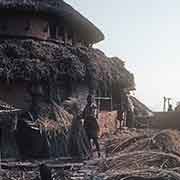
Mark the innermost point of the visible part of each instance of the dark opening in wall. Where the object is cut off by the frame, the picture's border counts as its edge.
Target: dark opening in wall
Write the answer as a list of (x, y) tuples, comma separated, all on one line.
[(0, 137), (28, 26), (4, 26), (30, 141), (61, 31), (46, 28), (74, 39), (70, 36), (53, 30)]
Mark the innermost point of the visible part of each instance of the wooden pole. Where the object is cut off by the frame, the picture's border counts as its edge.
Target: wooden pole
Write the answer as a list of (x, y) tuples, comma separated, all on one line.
[(164, 105)]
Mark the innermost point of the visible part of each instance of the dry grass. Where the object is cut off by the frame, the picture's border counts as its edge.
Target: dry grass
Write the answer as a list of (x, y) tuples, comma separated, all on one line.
[(29, 60)]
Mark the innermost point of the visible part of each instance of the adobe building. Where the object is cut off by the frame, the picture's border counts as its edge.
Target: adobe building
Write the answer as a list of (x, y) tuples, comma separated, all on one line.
[(46, 58), (43, 22)]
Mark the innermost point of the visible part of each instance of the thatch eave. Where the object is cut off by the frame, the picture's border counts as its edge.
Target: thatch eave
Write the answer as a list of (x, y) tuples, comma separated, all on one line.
[(37, 61), (58, 9)]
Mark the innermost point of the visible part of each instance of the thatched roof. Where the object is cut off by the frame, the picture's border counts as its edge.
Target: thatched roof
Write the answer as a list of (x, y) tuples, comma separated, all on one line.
[(111, 70), (58, 9), (141, 110), (37, 61)]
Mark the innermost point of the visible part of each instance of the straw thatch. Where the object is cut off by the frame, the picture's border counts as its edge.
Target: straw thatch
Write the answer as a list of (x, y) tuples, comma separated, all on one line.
[(139, 160), (164, 141), (141, 110), (58, 9), (142, 155), (37, 61)]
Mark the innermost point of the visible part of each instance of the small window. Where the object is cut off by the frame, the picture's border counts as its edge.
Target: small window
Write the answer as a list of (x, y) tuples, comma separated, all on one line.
[(104, 103)]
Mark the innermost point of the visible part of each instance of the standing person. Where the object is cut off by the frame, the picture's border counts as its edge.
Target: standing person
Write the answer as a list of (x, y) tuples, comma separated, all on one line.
[(123, 109), (170, 108), (90, 116), (120, 116), (78, 145)]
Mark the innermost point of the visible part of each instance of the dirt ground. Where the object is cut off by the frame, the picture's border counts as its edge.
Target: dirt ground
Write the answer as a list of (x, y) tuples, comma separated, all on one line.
[(129, 154)]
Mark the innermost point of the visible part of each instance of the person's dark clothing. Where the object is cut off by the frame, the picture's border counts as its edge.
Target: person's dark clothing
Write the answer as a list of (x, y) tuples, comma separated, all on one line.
[(130, 119), (90, 120), (170, 109), (91, 125)]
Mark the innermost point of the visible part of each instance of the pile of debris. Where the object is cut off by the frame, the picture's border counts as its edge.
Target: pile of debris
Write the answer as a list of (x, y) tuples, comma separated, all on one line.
[(166, 141), (141, 155), (19, 174), (132, 154)]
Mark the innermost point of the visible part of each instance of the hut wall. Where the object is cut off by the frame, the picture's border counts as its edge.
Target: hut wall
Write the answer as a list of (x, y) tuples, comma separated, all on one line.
[(24, 26), (8, 147), (15, 95), (165, 120)]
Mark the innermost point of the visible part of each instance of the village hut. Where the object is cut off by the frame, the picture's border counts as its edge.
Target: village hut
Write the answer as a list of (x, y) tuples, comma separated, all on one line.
[(46, 58)]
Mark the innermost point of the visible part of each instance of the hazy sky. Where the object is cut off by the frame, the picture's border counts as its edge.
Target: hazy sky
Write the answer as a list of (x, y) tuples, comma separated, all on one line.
[(146, 34)]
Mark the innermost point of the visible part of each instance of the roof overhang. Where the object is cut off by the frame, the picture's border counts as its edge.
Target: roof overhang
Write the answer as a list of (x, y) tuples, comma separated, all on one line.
[(58, 9)]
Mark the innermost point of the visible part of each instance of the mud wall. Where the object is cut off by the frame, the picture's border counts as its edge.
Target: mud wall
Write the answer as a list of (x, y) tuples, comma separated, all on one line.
[(107, 122), (15, 95), (37, 27), (166, 120), (24, 26)]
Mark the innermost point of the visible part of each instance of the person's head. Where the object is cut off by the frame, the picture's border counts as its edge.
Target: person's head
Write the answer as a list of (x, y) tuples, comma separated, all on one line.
[(89, 99)]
